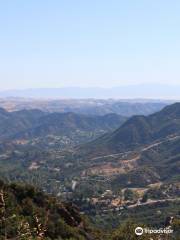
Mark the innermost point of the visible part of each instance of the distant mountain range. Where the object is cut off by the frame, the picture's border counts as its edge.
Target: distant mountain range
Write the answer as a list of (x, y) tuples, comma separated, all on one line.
[(154, 91), (86, 106)]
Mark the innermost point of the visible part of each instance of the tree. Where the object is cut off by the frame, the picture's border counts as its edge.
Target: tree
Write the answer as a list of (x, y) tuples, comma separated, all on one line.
[(128, 195)]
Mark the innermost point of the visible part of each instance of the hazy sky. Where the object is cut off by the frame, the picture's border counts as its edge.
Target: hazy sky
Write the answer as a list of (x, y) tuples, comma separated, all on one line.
[(54, 43)]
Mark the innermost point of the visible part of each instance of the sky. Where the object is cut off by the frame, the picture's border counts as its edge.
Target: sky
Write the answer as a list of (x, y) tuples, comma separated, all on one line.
[(61, 43)]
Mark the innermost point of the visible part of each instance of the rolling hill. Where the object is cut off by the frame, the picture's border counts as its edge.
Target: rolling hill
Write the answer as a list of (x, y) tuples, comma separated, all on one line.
[(70, 128), (138, 131), (143, 151), (67, 123), (14, 122)]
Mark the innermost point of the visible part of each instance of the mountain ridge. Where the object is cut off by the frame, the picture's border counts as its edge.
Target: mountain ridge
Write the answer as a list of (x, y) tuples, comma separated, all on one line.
[(125, 91), (25, 124), (138, 130)]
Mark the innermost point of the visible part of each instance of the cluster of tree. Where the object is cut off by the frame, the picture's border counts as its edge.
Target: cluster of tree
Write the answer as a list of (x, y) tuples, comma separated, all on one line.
[(29, 214)]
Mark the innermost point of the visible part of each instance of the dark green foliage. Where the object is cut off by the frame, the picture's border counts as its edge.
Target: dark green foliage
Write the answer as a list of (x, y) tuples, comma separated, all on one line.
[(126, 232), (29, 211)]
